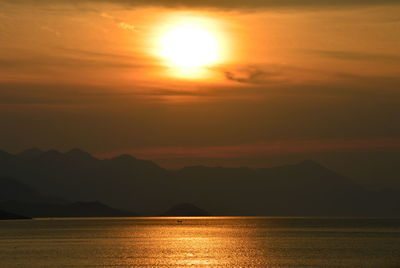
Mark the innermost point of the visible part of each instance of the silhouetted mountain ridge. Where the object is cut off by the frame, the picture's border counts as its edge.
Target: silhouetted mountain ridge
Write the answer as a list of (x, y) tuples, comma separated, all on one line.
[(302, 189), (79, 154)]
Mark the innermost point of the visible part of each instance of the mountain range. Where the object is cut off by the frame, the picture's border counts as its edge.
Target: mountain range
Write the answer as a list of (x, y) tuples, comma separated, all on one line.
[(130, 184)]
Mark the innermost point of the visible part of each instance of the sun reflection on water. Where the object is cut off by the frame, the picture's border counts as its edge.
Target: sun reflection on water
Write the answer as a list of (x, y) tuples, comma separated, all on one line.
[(198, 242)]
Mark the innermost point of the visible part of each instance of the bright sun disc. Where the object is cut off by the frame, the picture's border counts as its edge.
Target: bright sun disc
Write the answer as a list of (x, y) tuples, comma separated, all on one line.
[(189, 46)]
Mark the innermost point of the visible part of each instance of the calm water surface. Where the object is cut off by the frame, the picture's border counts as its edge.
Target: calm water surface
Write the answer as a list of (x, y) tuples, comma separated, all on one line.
[(200, 242)]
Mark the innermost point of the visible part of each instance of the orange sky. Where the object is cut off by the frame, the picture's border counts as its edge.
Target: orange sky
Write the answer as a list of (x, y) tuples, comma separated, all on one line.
[(87, 74)]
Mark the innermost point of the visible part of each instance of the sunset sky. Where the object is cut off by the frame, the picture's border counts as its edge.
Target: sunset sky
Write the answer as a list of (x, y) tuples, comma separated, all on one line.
[(260, 78)]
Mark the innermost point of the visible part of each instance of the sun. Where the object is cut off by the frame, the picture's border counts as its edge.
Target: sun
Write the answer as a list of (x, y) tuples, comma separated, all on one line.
[(189, 47)]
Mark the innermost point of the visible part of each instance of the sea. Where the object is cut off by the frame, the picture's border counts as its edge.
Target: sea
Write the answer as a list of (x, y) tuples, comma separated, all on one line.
[(200, 242)]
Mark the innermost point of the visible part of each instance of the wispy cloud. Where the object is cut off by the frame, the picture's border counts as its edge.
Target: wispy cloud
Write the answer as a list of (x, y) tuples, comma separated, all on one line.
[(127, 26), (50, 30), (120, 23)]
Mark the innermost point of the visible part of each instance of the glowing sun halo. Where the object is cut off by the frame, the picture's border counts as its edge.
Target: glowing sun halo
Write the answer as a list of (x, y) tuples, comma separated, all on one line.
[(189, 47)]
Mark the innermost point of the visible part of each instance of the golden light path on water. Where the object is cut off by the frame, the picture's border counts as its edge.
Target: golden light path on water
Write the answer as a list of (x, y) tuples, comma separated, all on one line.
[(200, 242)]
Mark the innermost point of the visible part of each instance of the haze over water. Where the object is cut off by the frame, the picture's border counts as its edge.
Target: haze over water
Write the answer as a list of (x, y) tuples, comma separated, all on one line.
[(201, 242)]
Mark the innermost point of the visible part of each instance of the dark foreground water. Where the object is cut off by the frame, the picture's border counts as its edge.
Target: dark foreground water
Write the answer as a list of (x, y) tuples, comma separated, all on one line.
[(200, 242)]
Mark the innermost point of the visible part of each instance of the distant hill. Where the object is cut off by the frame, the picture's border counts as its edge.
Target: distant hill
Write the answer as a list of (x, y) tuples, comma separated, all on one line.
[(13, 190), (185, 209), (77, 209), (22, 199), (11, 216), (301, 189)]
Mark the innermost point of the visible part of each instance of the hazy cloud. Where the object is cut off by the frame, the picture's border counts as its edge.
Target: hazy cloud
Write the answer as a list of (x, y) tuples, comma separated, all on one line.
[(99, 54), (266, 148), (63, 61), (354, 55), (226, 3), (72, 58)]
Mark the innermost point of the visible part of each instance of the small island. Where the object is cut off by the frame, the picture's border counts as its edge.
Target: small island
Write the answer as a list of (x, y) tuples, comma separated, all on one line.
[(11, 216), (185, 209)]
